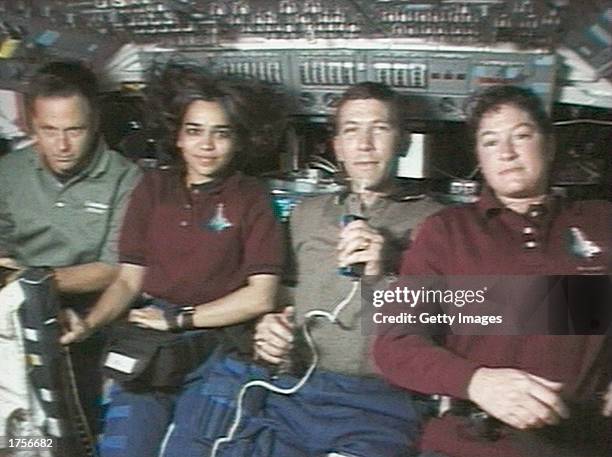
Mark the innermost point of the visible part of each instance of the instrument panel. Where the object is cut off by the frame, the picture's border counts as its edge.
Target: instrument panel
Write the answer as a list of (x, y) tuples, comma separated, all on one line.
[(438, 79)]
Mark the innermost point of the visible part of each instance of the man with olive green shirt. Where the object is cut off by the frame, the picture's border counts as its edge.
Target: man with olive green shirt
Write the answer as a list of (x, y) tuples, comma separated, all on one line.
[(47, 222), (61, 204)]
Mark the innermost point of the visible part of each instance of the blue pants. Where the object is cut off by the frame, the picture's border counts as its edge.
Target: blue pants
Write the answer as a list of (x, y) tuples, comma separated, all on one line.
[(135, 423), (361, 417), (205, 409)]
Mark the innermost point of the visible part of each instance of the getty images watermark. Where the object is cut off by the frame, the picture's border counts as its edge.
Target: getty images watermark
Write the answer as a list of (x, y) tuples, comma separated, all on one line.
[(503, 305)]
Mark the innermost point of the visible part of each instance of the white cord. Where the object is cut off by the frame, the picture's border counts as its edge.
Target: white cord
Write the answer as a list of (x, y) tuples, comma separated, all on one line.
[(308, 317)]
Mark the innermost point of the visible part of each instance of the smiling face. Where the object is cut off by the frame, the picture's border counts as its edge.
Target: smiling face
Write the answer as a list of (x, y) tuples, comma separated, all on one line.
[(512, 153), (366, 143), (64, 130), (206, 141)]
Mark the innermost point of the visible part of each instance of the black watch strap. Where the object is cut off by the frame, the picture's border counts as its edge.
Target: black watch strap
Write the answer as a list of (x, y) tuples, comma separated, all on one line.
[(185, 318)]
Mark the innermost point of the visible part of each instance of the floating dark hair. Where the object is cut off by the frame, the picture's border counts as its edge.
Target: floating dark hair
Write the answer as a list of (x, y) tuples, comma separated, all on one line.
[(256, 113)]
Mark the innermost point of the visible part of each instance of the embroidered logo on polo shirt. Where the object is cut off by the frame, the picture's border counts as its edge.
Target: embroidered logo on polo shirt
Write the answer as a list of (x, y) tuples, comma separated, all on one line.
[(580, 246), (219, 222), (94, 207)]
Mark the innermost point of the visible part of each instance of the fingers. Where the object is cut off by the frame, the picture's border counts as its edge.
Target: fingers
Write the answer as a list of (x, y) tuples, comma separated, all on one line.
[(10, 263), (546, 393), (518, 398), (135, 316), (358, 235), (532, 413), (274, 344), (523, 418), (150, 317), (274, 336), (273, 349), (557, 386), (276, 328), (145, 313), (360, 243), (68, 338), (371, 258), (370, 255), (287, 318), (270, 356), (140, 321), (77, 328)]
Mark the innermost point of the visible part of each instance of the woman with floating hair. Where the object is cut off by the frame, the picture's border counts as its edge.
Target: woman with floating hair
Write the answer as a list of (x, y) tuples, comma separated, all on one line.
[(200, 252)]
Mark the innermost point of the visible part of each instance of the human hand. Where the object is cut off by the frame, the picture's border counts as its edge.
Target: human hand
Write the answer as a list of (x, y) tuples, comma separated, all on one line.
[(360, 243), (149, 317), (10, 270), (607, 407), (274, 336), (10, 263), (76, 329), (520, 399)]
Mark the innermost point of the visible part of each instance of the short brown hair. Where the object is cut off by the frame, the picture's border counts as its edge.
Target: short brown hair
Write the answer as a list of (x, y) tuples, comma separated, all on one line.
[(491, 98), (63, 78), (375, 91)]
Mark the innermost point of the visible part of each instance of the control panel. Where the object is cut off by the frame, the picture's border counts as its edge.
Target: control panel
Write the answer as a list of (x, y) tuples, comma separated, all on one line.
[(438, 79)]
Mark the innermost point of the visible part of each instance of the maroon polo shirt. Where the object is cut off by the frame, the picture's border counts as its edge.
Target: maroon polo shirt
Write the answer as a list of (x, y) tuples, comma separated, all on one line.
[(203, 242), (487, 238)]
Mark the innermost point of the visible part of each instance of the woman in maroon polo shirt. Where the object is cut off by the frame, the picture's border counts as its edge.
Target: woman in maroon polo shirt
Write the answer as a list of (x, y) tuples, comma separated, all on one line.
[(199, 237), (511, 395)]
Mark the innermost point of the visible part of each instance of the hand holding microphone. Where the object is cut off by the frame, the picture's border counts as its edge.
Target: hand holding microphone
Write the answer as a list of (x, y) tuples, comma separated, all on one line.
[(359, 249)]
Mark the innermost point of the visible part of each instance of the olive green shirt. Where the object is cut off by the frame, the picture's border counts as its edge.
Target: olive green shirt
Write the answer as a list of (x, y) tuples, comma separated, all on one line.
[(315, 233), (46, 222)]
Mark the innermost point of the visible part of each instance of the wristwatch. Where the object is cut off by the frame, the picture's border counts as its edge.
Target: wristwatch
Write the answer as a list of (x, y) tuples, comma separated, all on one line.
[(180, 319)]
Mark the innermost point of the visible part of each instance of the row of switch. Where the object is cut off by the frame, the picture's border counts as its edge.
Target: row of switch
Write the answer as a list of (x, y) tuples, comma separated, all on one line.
[(428, 30), (271, 18), (136, 20), (300, 28), (401, 75), (398, 79), (328, 73), (341, 73), (429, 18), (128, 3), (266, 71)]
